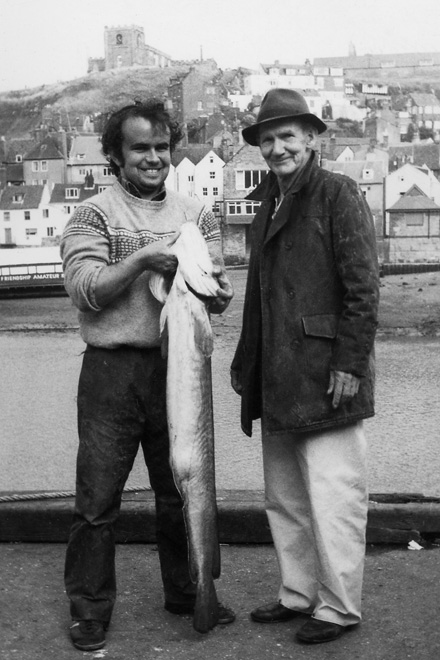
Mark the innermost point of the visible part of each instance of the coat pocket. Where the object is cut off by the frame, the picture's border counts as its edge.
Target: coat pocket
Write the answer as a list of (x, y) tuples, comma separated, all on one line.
[(321, 325)]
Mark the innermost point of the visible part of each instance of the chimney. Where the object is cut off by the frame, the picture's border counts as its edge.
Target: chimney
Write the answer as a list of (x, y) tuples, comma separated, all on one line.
[(62, 142)]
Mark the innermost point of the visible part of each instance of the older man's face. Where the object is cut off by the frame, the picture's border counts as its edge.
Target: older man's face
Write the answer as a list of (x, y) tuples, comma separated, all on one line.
[(285, 146)]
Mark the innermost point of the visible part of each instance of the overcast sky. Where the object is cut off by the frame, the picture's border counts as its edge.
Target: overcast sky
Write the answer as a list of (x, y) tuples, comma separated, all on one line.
[(44, 41)]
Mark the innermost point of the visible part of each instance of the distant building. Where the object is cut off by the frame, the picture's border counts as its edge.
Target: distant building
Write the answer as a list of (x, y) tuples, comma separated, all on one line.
[(44, 164), (124, 47), (25, 216), (196, 94), (86, 158), (384, 67), (414, 228), (242, 173)]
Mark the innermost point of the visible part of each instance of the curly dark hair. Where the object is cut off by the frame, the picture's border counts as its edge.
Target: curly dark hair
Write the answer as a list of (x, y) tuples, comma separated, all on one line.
[(153, 110)]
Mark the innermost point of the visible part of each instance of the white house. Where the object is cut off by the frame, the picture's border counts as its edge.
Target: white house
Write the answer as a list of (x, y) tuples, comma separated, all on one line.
[(400, 181), (199, 173), (25, 216)]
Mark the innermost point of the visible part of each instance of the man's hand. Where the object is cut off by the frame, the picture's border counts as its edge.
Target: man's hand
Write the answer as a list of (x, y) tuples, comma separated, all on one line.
[(343, 386), (236, 381), (225, 291), (159, 257)]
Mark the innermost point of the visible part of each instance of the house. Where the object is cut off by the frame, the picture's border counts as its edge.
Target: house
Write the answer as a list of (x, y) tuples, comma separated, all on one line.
[(398, 182), (416, 153), (25, 218), (241, 174), (292, 76), (369, 175), (414, 228), (45, 163), (65, 198), (196, 94), (86, 158), (424, 110), (198, 172)]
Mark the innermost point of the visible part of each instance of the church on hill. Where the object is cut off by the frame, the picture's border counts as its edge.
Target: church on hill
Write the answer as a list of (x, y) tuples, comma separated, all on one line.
[(124, 47)]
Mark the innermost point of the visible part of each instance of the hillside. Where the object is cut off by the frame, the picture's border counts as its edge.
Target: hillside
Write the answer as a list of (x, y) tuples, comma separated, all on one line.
[(62, 103)]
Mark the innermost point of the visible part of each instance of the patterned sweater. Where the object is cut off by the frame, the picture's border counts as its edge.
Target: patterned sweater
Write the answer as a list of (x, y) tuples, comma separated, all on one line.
[(106, 229)]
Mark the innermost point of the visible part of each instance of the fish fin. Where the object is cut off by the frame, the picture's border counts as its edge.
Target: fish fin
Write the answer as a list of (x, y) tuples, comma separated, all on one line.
[(216, 559), (203, 335), (159, 287), (206, 610), (164, 331)]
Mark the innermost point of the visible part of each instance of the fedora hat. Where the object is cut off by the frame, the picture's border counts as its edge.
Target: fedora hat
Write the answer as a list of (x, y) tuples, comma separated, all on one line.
[(281, 104)]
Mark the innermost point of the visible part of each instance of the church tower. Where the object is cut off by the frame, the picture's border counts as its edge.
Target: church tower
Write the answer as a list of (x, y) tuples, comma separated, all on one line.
[(124, 46)]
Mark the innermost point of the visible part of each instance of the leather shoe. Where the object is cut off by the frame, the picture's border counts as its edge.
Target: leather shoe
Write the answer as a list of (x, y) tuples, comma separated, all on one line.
[(225, 614), (273, 613), (316, 631)]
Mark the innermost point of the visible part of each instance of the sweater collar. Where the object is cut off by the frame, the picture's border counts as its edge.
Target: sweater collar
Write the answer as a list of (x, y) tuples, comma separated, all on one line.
[(134, 191)]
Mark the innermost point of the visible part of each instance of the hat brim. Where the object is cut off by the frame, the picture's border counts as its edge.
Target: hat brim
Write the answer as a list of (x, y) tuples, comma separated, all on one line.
[(250, 133)]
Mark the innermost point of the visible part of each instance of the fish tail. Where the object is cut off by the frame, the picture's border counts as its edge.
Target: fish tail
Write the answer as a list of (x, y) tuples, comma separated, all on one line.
[(206, 611)]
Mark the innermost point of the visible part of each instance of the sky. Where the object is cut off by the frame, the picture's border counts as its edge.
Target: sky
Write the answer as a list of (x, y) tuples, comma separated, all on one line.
[(46, 41)]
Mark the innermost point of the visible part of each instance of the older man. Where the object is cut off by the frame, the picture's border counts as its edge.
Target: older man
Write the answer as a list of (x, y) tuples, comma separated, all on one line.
[(304, 365)]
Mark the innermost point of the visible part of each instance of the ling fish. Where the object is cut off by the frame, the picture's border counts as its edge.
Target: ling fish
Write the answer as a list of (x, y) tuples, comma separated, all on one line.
[(186, 327)]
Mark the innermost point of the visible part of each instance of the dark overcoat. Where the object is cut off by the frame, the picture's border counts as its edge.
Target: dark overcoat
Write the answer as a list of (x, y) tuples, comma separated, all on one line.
[(311, 304)]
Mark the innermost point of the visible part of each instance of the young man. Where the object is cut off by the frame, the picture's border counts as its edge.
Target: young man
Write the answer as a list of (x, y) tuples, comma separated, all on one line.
[(304, 365), (110, 246)]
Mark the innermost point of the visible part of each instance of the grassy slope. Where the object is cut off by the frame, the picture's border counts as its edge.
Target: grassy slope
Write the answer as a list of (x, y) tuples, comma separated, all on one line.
[(21, 111)]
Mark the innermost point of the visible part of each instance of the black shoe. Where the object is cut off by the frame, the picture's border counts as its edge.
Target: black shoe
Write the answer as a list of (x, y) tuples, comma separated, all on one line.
[(316, 631), (273, 613), (225, 615), (88, 635)]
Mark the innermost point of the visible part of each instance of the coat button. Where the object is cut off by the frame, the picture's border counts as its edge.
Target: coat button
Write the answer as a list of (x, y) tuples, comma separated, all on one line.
[(291, 293), (288, 246)]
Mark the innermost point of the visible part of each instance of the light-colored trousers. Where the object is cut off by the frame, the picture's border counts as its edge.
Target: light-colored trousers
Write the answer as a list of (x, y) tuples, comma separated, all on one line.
[(317, 505)]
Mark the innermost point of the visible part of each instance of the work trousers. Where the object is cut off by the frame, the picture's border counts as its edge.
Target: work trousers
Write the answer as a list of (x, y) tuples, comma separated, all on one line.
[(121, 405), (317, 505)]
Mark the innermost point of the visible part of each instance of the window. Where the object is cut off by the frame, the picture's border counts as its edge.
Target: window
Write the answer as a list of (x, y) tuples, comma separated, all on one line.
[(101, 188), (27, 215), (51, 231), (243, 208), (31, 232), (245, 179), (18, 158), (415, 219), (215, 191), (72, 192), (44, 165), (212, 175), (35, 166), (6, 216), (190, 178), (67, 210), (367, 174), (107, 171), (199, 105), (18, 198), (45, 213), (234, 208), (211, 159), (80, 156), (205, 191)]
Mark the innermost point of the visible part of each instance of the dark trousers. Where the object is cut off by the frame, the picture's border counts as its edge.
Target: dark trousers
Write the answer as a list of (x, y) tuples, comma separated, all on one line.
[(121, 405)]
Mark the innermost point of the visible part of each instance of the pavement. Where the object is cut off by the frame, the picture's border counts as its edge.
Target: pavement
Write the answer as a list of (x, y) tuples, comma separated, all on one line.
[(400, 609), (400, 602)]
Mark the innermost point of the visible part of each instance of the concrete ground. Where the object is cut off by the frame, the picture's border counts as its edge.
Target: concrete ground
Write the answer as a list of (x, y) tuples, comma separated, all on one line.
[(401, 609)]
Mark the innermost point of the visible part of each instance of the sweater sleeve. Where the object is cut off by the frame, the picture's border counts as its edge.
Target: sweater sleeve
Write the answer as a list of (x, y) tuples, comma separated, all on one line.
[(85, 250), (210, 229)]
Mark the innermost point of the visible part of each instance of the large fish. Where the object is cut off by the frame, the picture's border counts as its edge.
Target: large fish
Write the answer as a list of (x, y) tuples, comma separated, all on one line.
[(186, 327)]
